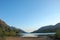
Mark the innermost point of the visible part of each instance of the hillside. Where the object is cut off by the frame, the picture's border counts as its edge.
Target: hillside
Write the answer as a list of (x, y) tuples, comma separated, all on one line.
[(50, 28), (6, 30)]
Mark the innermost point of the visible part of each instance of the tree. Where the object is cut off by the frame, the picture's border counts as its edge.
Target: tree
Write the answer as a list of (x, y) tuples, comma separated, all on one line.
[(58, 33)]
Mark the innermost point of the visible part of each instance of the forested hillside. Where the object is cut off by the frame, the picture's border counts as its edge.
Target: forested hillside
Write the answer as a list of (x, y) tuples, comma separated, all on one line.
[(6, 30)]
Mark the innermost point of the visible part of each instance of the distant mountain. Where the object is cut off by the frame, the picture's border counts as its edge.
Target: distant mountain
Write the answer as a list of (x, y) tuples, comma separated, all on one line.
[(50, 28), (8, 30), (13, 28)]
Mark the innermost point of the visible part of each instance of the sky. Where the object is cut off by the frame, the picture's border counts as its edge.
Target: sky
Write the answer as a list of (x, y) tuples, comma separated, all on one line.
[(30, 15)]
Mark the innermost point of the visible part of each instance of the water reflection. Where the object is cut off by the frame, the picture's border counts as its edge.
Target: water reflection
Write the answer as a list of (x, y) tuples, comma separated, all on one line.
[(28, 35), (36, 34)]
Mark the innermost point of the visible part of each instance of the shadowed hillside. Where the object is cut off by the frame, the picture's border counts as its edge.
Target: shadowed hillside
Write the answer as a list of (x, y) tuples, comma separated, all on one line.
[(50, 29)]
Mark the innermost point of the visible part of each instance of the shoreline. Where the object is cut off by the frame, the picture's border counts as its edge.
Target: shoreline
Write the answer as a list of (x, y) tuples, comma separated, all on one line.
[(27, 38)]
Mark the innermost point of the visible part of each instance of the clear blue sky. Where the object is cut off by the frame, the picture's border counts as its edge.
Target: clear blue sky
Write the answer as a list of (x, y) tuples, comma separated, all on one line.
[(30, 15)]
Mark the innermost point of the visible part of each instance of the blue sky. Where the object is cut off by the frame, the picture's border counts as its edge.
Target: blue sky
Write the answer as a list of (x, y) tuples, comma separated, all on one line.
[(30, 15)]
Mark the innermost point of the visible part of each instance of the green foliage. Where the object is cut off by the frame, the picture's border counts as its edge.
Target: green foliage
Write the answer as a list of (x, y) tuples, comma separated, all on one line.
[(12, 33), (58, 33), (6, 30)]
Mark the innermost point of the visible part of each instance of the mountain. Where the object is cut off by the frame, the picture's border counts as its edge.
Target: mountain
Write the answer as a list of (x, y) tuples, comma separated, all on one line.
[(13, 28), (49, 28), (7, 30), (2, 23)]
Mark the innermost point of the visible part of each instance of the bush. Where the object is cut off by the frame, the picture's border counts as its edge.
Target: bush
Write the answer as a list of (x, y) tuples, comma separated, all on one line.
[(58, 33)]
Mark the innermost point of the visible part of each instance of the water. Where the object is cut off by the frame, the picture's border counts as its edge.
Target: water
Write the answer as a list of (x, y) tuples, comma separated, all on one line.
[(28, 35), (36, 34)]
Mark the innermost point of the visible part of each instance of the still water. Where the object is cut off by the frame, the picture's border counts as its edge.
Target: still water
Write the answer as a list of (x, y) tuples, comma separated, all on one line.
[(36, 34)]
